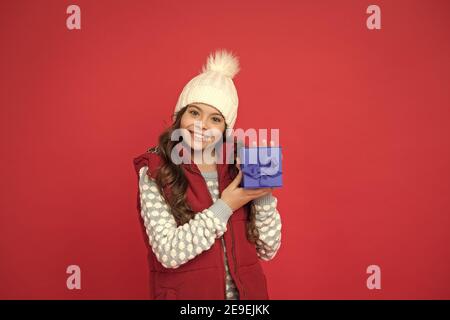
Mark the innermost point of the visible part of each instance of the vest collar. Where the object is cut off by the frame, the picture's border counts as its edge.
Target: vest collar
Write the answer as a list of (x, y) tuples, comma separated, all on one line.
[(222, 168)]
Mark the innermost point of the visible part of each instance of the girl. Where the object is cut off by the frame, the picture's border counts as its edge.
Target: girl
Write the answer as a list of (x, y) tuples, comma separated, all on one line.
[(206, 235)]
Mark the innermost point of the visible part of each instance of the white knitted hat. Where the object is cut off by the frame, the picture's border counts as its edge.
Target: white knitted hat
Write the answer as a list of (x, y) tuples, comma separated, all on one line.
[(214, 86)]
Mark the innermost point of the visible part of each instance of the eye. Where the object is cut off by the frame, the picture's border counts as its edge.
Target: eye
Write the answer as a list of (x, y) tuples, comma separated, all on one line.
[(193, 112), (217, 119)]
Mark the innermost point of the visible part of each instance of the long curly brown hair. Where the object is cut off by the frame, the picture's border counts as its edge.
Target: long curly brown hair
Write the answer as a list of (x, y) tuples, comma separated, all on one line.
[(172, 176)]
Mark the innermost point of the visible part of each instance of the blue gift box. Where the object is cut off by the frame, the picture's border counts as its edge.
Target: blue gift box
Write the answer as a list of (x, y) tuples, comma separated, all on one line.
[(261, 167)]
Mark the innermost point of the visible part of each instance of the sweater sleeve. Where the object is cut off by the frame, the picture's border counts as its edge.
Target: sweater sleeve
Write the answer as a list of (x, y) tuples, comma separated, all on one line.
[(268, 222), (172, 245)]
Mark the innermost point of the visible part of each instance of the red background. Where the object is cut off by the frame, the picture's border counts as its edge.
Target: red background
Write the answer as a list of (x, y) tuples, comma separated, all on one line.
[(363, 118)]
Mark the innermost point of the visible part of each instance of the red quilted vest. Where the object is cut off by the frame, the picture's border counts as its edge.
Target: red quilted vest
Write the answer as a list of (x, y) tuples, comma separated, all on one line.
[(204, 276)]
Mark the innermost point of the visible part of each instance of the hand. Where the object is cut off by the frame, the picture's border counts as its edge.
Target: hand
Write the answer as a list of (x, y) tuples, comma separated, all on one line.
[(235, 197)]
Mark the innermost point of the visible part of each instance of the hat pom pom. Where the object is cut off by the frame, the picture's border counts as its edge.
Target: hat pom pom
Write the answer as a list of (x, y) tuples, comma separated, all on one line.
[(222, 61)]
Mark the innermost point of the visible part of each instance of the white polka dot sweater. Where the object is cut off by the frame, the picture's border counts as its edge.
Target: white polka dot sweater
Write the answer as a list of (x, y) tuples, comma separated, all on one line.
[(174, 246)]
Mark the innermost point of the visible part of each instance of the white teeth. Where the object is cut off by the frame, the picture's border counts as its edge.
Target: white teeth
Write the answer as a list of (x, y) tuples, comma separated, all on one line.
[(201, 137), (198, 137)]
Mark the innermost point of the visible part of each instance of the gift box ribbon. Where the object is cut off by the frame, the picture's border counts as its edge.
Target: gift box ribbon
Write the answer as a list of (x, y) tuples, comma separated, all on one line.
[(262, 171)]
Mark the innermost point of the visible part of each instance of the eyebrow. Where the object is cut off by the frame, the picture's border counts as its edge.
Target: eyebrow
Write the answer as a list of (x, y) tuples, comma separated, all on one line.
[(215, 113)]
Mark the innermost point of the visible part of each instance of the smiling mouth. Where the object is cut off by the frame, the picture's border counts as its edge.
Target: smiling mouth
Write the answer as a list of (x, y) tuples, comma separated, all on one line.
[(201, 137)]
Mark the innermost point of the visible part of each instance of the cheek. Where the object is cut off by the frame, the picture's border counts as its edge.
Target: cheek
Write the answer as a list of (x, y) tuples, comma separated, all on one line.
[(185, 122), (221, 127), (218, 129)]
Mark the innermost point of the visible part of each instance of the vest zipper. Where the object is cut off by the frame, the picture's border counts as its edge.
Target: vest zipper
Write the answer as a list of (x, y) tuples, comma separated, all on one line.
[(234, 259), (232, 238), (222, 239), (222, 242)]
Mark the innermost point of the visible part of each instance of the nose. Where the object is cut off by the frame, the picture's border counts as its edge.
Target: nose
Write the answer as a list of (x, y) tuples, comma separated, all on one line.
[(201, 125)]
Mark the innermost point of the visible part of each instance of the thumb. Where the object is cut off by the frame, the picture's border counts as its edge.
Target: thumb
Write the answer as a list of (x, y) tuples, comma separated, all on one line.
[(238, 163), (237, 180)]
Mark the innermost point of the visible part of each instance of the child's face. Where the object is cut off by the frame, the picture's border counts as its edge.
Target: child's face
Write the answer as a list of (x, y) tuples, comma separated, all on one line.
[(207, 122)]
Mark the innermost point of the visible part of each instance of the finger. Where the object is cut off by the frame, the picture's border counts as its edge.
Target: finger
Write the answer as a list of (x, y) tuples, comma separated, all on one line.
[(260, 194), (256, 192), (272, 143)]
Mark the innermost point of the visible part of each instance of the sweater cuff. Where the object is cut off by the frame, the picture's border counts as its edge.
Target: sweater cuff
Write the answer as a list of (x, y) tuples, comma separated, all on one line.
[(221, 210), (264, 200)]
